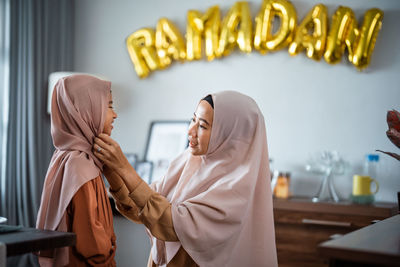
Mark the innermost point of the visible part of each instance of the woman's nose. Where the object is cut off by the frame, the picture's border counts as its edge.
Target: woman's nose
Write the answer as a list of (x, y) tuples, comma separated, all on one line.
[(192, 130)]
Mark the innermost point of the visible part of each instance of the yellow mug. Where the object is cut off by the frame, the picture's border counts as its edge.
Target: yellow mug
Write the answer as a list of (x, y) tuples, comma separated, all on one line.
[(362, 185)]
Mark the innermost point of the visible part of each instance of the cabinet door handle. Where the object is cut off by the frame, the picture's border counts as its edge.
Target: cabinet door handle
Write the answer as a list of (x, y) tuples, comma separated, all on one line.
[(328, 223)]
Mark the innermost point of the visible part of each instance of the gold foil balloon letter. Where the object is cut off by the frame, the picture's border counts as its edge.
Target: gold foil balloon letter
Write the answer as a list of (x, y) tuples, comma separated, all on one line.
[(264, 39), (169, 43), (276, 28), (236, 29), (341, 35), (311, 34), (366, 38), (359, 42), (199, 26), (142, 52)]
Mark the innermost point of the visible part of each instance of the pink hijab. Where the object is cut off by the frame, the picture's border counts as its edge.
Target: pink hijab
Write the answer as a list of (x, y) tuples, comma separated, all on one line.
[(78, 111), (222, 201)]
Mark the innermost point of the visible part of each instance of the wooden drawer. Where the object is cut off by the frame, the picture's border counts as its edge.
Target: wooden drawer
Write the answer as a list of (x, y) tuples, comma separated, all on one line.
[(351, 222), (301, 225)]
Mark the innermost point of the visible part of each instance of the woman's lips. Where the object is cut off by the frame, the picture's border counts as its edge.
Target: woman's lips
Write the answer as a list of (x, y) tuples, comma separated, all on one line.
[(192, 144)]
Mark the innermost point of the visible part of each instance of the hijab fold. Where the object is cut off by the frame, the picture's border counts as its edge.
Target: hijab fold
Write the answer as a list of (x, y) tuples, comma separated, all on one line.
[(221, 202), (78, 111)]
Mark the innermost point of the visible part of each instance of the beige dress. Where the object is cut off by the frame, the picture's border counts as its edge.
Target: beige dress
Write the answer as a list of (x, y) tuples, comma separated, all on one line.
[(148, 207)]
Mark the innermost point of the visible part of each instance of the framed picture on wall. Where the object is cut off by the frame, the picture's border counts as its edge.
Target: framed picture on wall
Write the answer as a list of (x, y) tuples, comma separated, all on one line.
[(166, 140)]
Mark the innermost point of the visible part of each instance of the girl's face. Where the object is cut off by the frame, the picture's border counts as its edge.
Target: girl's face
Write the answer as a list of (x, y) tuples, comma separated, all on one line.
[(110, 116), (200, 128)]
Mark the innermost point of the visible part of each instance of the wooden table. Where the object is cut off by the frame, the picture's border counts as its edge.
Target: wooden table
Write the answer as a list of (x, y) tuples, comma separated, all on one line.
[(375, 245), (28, 240)]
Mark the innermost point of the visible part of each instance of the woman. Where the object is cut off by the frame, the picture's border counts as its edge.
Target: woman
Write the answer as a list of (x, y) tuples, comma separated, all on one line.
[(214, 205), (74, 197)]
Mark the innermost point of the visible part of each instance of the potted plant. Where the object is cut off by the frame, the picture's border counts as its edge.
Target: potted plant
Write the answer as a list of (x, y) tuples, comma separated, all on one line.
[(393, 121)]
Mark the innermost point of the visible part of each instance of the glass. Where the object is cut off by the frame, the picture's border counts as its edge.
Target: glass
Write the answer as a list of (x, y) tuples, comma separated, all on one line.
[(327, 164)]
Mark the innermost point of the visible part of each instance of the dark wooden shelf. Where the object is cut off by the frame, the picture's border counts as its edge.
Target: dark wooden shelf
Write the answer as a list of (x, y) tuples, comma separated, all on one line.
[(301, 225)]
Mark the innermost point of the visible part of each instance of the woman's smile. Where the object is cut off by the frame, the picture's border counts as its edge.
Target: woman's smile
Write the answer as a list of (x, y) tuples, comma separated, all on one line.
[(192, 143)]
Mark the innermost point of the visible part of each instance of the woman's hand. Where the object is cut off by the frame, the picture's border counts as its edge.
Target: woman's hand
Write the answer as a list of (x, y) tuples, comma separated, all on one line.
[(109, 151), (113, 178)]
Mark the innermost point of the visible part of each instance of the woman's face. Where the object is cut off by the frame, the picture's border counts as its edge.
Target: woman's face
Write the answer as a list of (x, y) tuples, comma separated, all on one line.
[(200, 128), (110, 116)]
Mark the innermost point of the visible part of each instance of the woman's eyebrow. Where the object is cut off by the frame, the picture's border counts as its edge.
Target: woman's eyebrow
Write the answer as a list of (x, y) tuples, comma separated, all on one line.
[(111, 102), (205, 121)]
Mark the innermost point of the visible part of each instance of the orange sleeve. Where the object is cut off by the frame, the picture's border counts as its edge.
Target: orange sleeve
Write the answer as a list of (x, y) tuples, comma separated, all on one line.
[(93, 243)]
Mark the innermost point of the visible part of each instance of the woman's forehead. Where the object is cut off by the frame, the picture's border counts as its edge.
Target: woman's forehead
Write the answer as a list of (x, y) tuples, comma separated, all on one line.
[(204, 110)]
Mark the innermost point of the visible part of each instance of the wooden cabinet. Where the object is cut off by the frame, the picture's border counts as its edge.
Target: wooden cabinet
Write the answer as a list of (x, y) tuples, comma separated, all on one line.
[(300, 225)]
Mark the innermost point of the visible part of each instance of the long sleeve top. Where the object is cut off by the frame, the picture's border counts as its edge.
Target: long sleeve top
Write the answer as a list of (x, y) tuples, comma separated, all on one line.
[(89, 216), (145, 206)]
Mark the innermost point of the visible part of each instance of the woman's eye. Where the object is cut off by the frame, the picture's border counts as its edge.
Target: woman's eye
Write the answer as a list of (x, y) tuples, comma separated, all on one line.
[(193, 120), (203, 127)]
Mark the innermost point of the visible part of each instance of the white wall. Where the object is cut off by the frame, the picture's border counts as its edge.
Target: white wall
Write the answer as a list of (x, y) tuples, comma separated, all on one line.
[(308, 106)]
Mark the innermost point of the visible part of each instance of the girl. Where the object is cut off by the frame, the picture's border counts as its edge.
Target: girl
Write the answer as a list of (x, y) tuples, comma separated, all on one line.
[(74, 197)]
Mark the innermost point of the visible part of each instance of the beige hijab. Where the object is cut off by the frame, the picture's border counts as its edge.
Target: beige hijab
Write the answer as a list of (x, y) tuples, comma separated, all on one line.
[(78, 111), (222, 201)]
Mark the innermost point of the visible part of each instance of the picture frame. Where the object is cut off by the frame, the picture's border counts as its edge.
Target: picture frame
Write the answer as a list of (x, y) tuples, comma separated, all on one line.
[(144, 169), (165, 141)]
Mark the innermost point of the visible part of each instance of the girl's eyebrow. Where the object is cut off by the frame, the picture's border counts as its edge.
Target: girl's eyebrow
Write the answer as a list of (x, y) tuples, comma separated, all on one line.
[(206, 122)]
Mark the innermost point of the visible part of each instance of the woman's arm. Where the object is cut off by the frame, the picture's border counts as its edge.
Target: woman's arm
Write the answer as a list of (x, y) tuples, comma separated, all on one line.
[(109, 151), (113, 178), (144, 206), (154, 212), (151, 208), (120, 193)]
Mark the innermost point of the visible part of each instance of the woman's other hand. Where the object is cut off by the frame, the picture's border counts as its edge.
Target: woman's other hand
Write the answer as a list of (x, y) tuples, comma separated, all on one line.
[(113, 178), (109, 151)]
